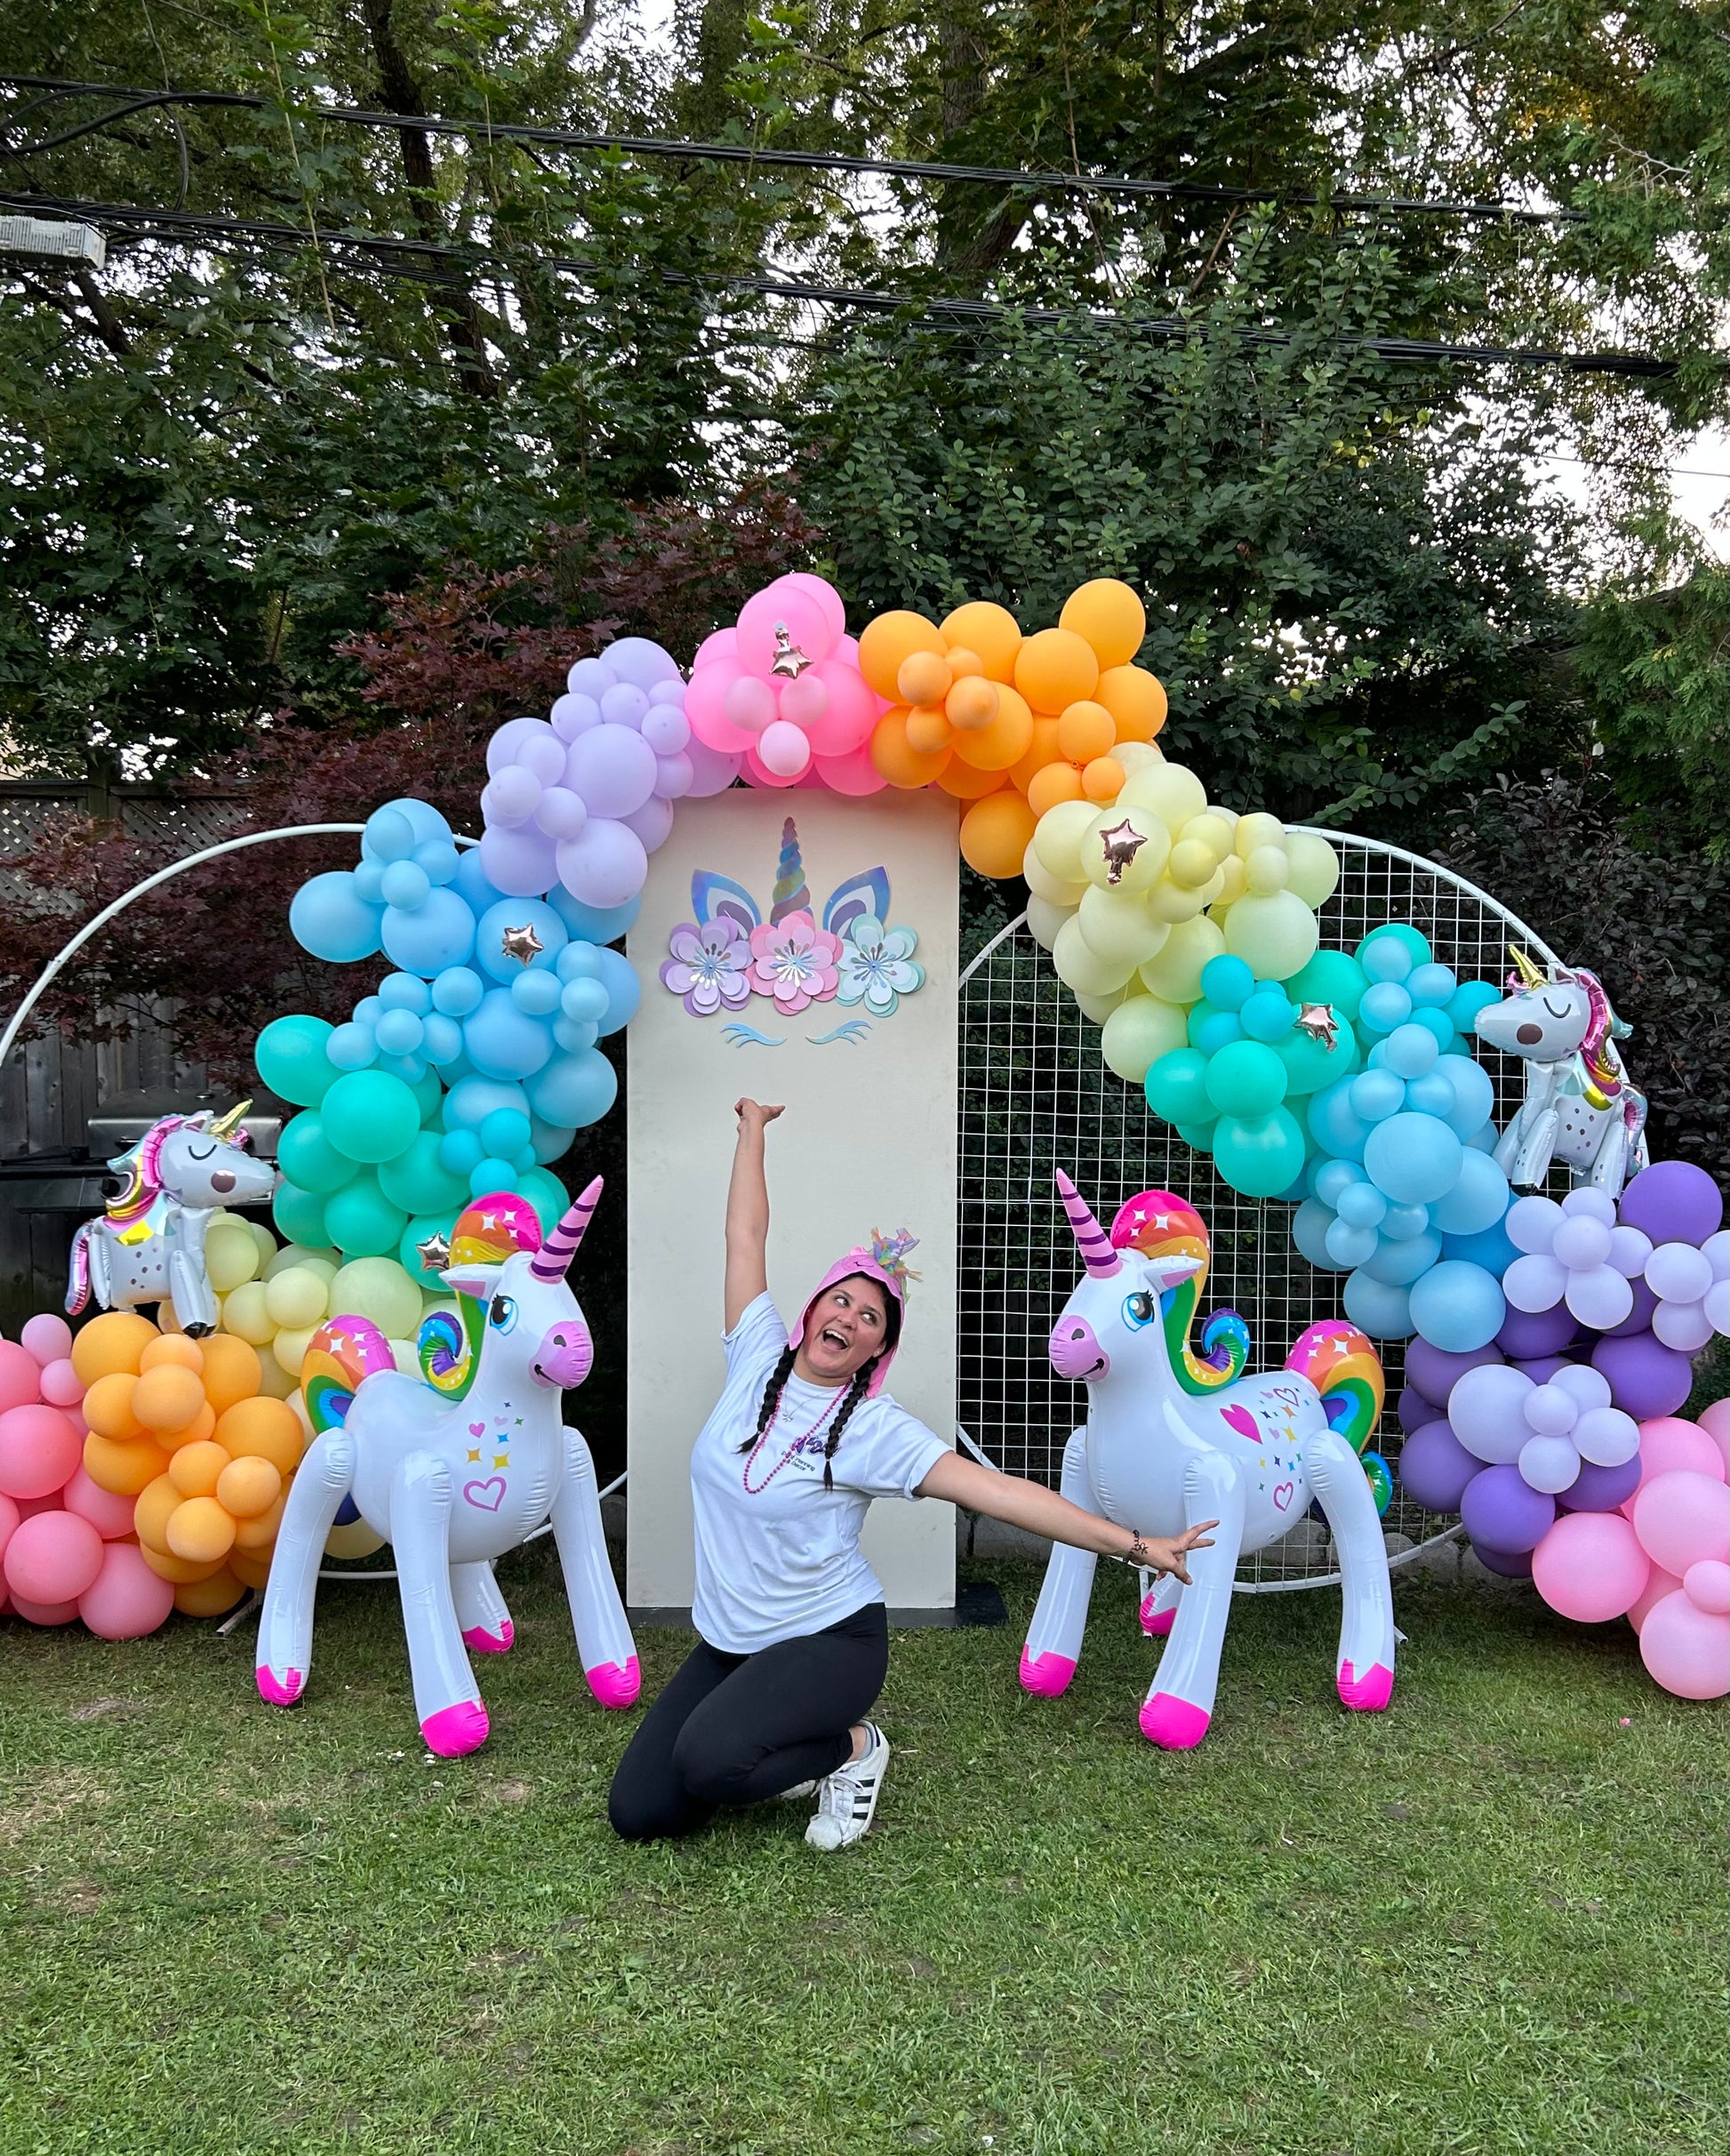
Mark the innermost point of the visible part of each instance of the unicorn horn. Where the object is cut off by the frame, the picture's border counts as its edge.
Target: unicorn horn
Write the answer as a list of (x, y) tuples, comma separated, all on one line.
[(791, 894), (225, 1126), (553, 1260), (1528, 973), (1095, 1246)]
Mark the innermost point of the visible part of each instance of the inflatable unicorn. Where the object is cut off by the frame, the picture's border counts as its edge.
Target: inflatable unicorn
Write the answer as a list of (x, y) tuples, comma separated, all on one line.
[(1173, 1438), (1579, 1107), (454, 1468), (150, 1243)]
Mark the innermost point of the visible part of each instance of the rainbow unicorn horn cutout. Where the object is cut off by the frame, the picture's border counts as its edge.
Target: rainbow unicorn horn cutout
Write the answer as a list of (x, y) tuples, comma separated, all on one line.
[(1173, 1438)]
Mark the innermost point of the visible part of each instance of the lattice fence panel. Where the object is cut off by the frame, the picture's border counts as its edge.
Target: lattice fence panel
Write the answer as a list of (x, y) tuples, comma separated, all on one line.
[(1036, 1096)]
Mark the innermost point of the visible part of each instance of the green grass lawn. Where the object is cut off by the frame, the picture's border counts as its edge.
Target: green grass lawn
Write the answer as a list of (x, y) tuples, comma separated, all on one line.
[(1491, 1920)]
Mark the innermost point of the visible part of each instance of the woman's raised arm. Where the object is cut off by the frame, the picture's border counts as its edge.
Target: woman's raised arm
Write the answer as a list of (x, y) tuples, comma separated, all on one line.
[(748, 1213)]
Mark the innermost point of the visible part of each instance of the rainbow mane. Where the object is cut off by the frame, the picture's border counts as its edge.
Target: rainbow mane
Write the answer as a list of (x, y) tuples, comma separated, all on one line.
[(341, 1353), (1344, 1366), (143, 1171), (1156, 1224), (448, 1347), (1604, 1078)]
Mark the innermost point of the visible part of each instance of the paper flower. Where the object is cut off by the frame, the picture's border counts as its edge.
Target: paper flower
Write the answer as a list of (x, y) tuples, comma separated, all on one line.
[(877, 966), (709, 967), (1574, 1253), (795, 962), (1691, 1283)]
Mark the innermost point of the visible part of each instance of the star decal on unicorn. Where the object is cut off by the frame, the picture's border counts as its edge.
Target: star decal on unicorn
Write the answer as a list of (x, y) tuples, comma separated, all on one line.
[(475, 1454), (501, 1459), (1318, 1021), (1119, 845), (523, 943)]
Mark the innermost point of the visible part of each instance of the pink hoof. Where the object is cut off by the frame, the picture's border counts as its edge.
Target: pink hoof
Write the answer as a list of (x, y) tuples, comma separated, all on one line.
[(478, 1641), (454, 1730), (1045, 1675), (1368, 1694), (280, 1692), (1173, 1724), (1156, 1623), (615, 1686)]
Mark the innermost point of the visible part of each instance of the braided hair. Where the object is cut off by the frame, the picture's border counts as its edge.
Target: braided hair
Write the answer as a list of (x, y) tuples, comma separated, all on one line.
[(857, 1389)]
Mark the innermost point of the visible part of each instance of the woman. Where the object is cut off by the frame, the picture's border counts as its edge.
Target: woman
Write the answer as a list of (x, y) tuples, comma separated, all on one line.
[(793, 1637)]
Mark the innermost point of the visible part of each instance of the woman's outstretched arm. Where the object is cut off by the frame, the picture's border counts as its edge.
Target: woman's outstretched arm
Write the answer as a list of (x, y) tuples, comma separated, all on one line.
[(1042, 1511), (748, 1213)]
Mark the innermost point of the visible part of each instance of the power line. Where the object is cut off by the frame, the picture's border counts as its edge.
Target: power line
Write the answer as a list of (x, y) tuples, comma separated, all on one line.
[(740, 153), (185, 227)]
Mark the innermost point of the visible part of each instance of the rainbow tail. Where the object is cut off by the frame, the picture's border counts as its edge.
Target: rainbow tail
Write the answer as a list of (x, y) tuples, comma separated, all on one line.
[(341, 1354), (1344, 1368)]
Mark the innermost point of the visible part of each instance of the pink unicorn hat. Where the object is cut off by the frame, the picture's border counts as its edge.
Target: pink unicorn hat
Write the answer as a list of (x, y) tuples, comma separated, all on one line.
[(883, 1260)]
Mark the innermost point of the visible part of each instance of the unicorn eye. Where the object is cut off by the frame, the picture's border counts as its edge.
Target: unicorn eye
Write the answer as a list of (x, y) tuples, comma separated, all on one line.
[(502, 1315), (1140, 1309)]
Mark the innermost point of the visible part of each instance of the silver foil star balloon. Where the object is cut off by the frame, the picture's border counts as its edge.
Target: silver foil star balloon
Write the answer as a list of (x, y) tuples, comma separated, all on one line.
[(521, 944)]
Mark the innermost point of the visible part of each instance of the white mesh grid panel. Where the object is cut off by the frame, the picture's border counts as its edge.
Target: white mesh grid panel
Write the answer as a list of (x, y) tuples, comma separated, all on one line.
[(1036, 1096)]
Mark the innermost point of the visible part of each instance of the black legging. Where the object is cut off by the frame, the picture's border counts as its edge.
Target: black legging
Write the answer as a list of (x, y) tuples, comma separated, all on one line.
[(735, 1728)]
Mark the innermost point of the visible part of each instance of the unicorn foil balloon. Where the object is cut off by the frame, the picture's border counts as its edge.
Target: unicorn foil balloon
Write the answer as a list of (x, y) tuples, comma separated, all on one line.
[(149, 1246), (1173, 1438), (1581, 1107), (454, 1467)]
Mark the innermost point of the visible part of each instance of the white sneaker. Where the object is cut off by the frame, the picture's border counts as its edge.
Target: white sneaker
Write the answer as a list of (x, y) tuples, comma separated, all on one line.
[(848, 1798)]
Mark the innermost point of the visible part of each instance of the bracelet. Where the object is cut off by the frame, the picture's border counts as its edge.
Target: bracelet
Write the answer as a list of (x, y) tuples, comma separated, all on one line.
[(1138, 1553)]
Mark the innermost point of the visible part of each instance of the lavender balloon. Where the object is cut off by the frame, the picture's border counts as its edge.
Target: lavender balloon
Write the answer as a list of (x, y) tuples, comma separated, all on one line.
[(1435, 1468), (1647, 1378), (1673, 1201), (1502, 1512)]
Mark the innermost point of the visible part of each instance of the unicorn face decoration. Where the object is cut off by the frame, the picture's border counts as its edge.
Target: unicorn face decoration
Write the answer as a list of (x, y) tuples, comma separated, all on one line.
[(148, 1245)]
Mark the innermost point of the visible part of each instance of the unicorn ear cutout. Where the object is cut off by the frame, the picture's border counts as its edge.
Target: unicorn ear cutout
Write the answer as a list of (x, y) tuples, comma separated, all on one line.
[(853, 899), (477, 1281), (714, 897)]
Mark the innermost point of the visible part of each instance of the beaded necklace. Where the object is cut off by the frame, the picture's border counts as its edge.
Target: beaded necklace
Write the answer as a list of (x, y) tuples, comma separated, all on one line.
[(798, 1445)]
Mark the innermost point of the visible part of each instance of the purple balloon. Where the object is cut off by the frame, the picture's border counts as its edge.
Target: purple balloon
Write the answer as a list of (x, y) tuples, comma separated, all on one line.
[(1542, 1368), (1502, 1511), (1487, 1412), (1673, 1201), (574, 714), (1435, 1373), (521, 864), (652, 822), (512, 796), (636, 659), (1639, 1319), (712, 769), (612, 768), (1415, 1411), (1537, 1332), (1434, 1468), (1600, 1489), (501, 748), (1647, 1378), (606, 865), (1511, 1563)]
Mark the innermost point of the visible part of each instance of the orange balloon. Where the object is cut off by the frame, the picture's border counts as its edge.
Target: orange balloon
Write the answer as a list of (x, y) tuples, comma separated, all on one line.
[(168, 1396), (209, 1598), (972, 702), (258, 1533), (1108, 614), (232, 1371), (122, 1466), (194, 1469), (202, 1426), (247, 1487), (166, 1566), (967, 784), (1042, 750), (963, 662), (1005, 741), (1056, 669), (927, 729), (923, 678), (1136, 700), (890, 639), (264, 1429), (995, 833), (1056, 783), (150, 1515), (1085, 731), (199, 1531), (991, 631), (173, 1347), (113, 1341), (108, 1406), (1103, 778), (254, 1572)]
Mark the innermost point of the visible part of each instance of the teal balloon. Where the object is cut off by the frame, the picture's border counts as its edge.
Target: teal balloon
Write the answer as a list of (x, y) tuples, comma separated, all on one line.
[(546, 1193), (291, 1059), (1402, 933), (422, 1228), (1333, 977), (428, 1093), (299, 1217), (490, 1175), (1176, 1086), (1258, 1155), (1310, 1064), (1198, 1137), (1467, 1000), (1267, 1015), (306, 1155), (361, 1222), (1247, 1079), (1227, 981), (370, 1116), (418, 1181), (1218, 1029)]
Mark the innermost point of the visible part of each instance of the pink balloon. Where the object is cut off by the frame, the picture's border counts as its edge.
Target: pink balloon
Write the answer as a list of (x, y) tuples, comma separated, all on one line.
[(126, 1599), (1590, 1566), (109, 1515), (47, 1337), (1715, 1421), (720, 644), (52, 1557), (805, 622), (758, 773), (1681, 1518), (39, 1449), (749, 705), (806, 700), (784, 749), (853, 713), (1668, 1442), (705, 706), (44, 1613), (853, 774), (1707, 1586), (61, 1385), (20, 1376), (827, 598), (1686, 1649), (29, 1507), (9, 1519), (1659, 1583)]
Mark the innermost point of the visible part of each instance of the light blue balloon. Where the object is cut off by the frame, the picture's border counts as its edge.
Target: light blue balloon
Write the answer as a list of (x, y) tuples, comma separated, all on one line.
[(1436, 1022), (369, 882), (398, 1033), (406, 885), (471, 1100), (459, 1152), (369, 1010), (1310, 1226), (1377, 1095), (1333, 1124), (457, 990), (1384, 1311), (595, 924), (550, 1140), (1478, 1199), (1493, 1249), (536, 992), (624, 990), (328, 916), (352, 1047), (576, 1090), (1411, 1050), (437, 859), (1467, 1000), (408, 1067), (1349, 1245), (1384, 959), (1385, 1005), (510, 913), (578, 961), (1458, 1306), (1430, 1094), (1362, 1206), (1400, 1223), (585, 1001), (406, 992), (1218, 1029), (1402, 934), (1332, 1177), (440, 932), (503, 1042), (1398, 1264), (1228, 982), (470, 882), (422, 818), (441, 1038), (1413, 1159), (388, 836), (1431, 984), (1267, 1015), (489, 1175), (1474, 1094), (576, 1032)]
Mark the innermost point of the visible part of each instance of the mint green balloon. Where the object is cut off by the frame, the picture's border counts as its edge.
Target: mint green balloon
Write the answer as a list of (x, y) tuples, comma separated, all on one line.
[(417, 1181), (1309, 1064), (1246, 1078), (1199, 1136), (300, 1215), (361, 1221), (1402, 932), (428, 1091), (1333, 977), (1176, 1086), (1260, 1155), (422, 1228), (370, 1116), (291, 1059), (306, 1157)]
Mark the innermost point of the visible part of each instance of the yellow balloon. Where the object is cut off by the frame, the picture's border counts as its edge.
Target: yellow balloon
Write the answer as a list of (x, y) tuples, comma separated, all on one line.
[(266, 1241), (289, 1348), (246, 1314), (1170, 901), (1057, 838), (1174, 970), (1267, 870), (1314, 865), (1212, 829), (300, 1254), (1193, 864), (1257, 830), (1079, 965), (1117, 926), (1123, 848), (355, 1540), (1137, 756), (1139, 1033), (1043, 884), (231, 1256), (298, 1296), (1236, 881), (1171, 790), (1044, 920), (1274, 936), (1097, 1009), (378, 1288), (274, 1382), (1108, 614)]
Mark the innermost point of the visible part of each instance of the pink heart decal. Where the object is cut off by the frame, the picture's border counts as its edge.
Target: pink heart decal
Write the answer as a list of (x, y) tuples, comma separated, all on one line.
[(1242, 1420), (477, 1430), (1282, 1496), (486, 1496)]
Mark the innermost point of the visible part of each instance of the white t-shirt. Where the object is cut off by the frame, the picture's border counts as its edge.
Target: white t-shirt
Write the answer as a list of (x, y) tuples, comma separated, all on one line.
[(782, 1561)]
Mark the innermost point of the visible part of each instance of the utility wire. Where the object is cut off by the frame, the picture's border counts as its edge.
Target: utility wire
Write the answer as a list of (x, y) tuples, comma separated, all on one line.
[(742, 153), (186, 226)]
